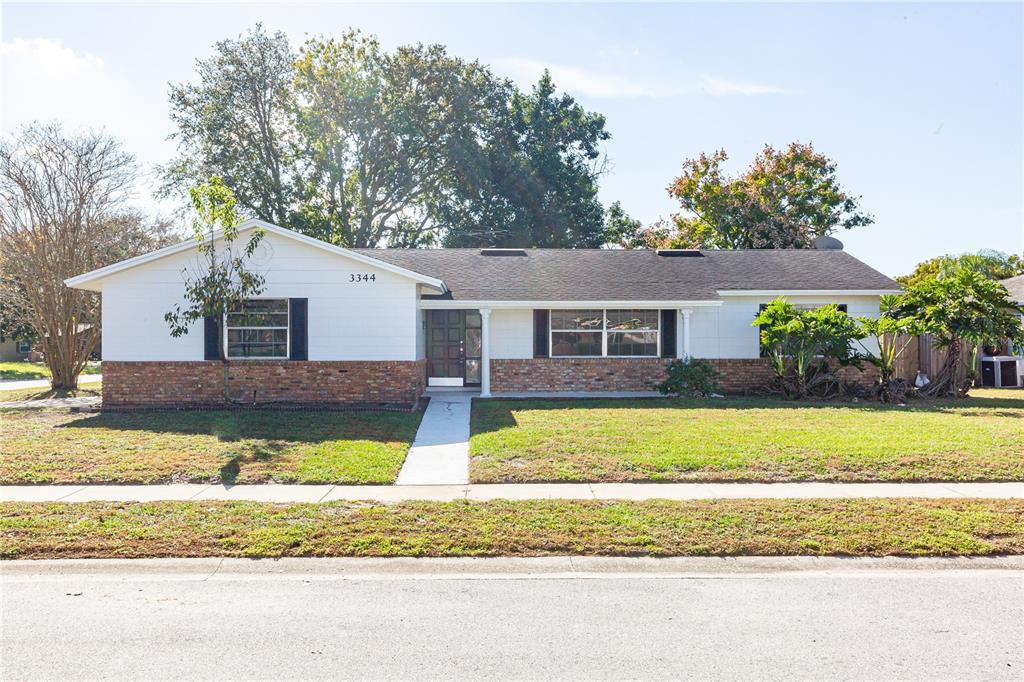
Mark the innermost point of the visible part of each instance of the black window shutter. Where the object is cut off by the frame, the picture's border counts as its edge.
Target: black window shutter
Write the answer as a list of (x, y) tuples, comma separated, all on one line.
[(668, 333), (210, 338), (299, 332), (540, 333)]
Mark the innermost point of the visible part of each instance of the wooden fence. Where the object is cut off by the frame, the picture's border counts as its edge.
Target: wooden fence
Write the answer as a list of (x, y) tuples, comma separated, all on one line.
[(922, 356)]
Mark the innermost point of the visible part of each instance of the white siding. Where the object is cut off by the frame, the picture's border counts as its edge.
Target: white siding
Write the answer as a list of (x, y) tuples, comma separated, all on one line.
[(726, 331), (511, 334), (347, 320)]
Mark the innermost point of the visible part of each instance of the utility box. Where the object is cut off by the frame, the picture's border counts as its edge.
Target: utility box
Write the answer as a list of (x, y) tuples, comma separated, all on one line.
[(1000, 371)]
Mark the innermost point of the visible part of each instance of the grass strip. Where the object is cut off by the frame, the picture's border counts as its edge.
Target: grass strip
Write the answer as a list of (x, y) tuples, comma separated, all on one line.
[(20, 370), (870, 527)]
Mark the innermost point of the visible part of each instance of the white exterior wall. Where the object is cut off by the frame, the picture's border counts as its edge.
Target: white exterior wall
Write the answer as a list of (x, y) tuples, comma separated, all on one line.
[(375, 320), (511, 334), (726, 331)]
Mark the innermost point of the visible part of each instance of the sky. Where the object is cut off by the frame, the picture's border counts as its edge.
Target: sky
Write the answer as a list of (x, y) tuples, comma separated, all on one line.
[(920, 105)]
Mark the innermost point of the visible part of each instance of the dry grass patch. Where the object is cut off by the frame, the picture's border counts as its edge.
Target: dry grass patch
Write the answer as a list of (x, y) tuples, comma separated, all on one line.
[(876, 527), (55, 446), (981, 438)]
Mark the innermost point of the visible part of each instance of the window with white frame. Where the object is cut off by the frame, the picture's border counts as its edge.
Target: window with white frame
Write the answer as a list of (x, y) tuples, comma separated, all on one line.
[(258, 328), (604, 333), (24, 347)]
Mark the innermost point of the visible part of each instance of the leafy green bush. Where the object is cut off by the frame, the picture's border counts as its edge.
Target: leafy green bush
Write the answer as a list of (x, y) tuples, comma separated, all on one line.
[(690, 377), (802, 344)]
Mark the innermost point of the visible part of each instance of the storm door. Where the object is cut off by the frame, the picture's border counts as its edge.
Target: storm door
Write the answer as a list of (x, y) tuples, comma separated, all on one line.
[(453, 347)]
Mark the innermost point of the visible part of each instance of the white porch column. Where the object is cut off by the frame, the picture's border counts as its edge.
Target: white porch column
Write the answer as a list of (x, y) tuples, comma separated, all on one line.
[(485, 353), (683, 335)]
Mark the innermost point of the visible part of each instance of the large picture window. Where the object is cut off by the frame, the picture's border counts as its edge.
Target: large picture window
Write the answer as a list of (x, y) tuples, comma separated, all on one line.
[(258, 328), (604, 333)]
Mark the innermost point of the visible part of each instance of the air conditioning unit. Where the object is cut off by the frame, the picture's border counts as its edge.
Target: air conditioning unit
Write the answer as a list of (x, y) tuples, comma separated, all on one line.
[(1001, 371)]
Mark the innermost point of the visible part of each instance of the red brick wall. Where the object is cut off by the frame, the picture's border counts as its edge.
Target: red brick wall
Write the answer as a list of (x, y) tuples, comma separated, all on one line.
[(632, 374), (266, 381)]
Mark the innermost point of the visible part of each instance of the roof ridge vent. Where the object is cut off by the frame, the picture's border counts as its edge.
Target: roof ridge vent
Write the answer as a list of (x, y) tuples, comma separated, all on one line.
[(679, 253), (502, 252)]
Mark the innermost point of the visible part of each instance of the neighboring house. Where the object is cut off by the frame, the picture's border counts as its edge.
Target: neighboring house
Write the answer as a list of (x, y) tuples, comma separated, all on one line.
[(1015, 285), (14, 349), (379, 325)]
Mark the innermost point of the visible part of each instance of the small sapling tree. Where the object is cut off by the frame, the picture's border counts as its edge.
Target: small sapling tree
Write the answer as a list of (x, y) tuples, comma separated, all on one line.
[(221, 280)]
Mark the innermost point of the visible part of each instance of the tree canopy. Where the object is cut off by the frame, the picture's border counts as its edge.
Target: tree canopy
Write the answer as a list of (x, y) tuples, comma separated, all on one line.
[(987, 263), (962, 307), (63, 211), (359, 146), (785, 199)]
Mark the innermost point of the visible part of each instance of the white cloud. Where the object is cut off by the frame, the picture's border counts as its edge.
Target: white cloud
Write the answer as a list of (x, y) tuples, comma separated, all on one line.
[(579, 80), (50, 59), (46, 80), (723, 87)]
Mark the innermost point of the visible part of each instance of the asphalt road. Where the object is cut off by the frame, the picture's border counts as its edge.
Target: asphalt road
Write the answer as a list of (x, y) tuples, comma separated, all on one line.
[(551, 618)]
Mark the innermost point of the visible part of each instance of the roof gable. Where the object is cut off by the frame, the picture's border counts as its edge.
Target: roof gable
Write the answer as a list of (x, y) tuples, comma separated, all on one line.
[(93, 280)]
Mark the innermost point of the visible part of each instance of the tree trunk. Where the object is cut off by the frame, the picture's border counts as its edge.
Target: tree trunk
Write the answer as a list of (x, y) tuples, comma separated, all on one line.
[(946, 382)]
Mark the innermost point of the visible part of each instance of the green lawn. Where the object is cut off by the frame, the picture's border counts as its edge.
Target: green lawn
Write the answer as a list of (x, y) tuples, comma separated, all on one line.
[(54, 446), (980, 438), (36, 370), (513, 528)]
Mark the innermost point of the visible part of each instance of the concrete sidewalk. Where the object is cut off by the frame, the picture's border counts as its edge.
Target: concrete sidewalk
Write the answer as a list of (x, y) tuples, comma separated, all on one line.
[(565, 491), (45, 383)]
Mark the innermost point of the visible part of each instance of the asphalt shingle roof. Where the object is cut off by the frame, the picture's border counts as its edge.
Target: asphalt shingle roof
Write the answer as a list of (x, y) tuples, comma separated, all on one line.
[(620, 275), (1015, 285)]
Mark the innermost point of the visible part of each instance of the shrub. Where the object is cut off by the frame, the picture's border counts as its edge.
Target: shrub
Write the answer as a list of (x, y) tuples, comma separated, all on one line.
[(690, 377), (801, 344)]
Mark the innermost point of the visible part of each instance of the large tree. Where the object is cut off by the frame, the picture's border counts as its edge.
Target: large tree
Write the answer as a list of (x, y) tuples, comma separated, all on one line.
[(62, 213), (533, 181), (785, 199), (238, 123), (360, 146), (383, 132)]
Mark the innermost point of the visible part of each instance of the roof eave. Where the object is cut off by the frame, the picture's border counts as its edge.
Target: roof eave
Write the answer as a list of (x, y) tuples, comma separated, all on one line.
[(806, 292)]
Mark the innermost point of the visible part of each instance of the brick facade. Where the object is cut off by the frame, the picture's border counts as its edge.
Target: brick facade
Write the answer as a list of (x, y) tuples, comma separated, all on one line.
[(141, 384), (634, 374)]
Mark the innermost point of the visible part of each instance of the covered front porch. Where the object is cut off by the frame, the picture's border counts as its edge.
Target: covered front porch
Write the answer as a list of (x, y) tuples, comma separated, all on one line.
[(605, 348)]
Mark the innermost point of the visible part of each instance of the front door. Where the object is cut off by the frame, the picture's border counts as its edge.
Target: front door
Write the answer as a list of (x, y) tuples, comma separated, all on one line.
[(453, 348)]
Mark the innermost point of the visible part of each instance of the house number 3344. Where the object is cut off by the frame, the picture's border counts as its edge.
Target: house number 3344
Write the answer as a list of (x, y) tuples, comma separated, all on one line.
[(362, 278)]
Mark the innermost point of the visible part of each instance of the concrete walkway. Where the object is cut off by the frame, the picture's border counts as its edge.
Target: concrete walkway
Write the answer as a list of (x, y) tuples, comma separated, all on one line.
[(81, 401), (44, 383), (440, 452), (566, 491)]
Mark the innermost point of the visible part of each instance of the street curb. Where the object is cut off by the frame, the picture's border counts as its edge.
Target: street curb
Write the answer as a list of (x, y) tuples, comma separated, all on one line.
[(369, 568)]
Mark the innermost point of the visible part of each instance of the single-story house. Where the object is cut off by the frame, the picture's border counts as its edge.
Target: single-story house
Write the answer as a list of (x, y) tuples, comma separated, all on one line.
[(336, 325), (15, 349)]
